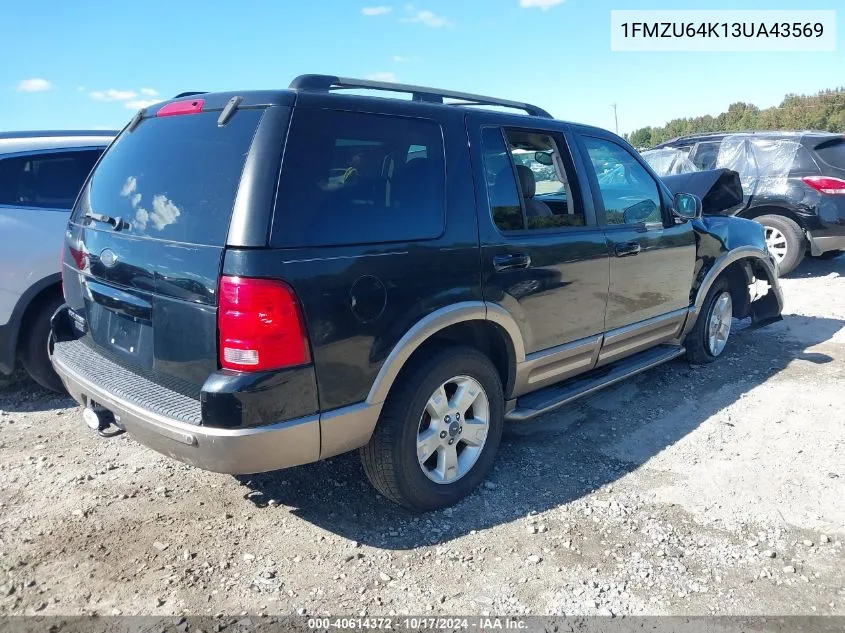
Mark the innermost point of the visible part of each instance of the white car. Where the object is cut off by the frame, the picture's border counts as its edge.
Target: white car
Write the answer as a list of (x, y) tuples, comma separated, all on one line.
[(41, 174)]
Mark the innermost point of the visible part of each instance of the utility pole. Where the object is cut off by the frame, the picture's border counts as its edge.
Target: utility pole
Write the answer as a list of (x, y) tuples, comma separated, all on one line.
[(615, 118)]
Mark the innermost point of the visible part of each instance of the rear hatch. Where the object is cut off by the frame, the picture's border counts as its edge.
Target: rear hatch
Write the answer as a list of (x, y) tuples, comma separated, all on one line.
[(145, 243)]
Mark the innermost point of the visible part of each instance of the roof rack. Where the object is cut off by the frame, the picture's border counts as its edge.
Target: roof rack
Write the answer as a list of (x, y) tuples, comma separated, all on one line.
[(326, 83), (188, 94)]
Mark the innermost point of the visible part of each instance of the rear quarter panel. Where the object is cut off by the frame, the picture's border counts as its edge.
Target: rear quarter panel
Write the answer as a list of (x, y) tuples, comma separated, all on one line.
[(31, 251)]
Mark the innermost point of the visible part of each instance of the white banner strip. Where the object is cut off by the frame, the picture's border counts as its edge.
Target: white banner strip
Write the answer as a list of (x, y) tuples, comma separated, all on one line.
[(723, 31)]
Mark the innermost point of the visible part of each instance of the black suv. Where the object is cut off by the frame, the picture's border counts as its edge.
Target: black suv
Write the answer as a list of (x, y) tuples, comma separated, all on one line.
[(793, 183), (257, 280)]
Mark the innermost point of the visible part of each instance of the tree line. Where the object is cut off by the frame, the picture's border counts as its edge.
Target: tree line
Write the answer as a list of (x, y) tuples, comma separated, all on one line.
[(822, 111)]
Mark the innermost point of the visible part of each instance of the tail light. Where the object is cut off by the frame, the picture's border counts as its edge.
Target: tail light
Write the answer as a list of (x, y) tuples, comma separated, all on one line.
[(261, 325), (826, 184)]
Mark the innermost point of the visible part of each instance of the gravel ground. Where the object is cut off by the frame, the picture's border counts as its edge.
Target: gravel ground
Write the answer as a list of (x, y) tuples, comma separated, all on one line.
[(716, 490)]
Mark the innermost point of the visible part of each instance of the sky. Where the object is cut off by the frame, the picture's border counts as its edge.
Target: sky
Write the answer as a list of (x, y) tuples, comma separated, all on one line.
[(92, 64)]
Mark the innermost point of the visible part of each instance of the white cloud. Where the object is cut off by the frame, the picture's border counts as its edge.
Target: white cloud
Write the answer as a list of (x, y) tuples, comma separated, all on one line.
[(376, 10), (129, 187), (382, 77), (137, 104), (36, 84), (544, 5), (164, 212), (150, 92), (112, 95), (429, 18)]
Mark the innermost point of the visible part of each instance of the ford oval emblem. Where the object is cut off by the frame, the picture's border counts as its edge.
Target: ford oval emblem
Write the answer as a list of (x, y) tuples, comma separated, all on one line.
[(108, 257)]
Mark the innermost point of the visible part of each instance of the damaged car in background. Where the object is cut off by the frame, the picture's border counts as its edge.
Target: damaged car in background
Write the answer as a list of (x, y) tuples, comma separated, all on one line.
[(793, 184)]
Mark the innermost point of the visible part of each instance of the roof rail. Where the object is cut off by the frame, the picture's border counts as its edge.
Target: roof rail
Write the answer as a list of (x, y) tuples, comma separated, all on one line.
[(189, 94), (325, 83)]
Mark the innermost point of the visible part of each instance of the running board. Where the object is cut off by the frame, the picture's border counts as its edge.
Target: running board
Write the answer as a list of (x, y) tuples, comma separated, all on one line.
[(550, 398)]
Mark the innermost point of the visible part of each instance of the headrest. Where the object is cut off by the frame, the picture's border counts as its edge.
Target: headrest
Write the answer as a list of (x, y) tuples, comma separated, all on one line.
[(526, 181)]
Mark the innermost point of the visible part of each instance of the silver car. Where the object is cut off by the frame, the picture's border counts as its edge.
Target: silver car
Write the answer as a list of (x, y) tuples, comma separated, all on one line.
[(41, 174)]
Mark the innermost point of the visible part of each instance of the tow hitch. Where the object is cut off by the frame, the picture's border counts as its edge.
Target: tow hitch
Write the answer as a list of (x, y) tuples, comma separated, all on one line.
[(100, 419)]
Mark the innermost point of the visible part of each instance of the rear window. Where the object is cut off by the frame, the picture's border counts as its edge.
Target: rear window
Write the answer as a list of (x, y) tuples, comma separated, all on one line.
[(354, 178), (47, 181), (832, 153), (173, 178)]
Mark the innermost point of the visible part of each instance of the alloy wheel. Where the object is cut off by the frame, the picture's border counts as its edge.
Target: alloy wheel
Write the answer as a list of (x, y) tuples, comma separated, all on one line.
[(776, 243), (719, 324), (453, 429)]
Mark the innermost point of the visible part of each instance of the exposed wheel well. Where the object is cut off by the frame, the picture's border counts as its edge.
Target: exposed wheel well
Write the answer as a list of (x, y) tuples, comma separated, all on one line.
[(740, 275), (35, 304), (487, 337)]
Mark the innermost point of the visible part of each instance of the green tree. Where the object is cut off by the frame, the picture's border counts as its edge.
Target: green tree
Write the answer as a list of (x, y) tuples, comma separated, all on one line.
[(823, 111)]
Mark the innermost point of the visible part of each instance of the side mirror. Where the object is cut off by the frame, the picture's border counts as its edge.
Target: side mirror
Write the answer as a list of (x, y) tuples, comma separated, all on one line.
[(687, 206), (638, 213), (544, 158)]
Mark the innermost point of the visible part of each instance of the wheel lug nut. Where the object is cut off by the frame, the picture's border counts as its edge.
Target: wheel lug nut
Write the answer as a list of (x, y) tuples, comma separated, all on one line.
[(460, 429), (442, 434), (451, 441)]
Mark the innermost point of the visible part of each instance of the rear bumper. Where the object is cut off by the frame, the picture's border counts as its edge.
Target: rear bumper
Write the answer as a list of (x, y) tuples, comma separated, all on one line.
[(821, 243), (233, 451), (828, 232), (175, 424)]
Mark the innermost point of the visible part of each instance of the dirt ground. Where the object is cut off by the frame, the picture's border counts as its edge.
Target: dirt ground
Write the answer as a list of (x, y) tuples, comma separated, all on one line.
[(716, 490)]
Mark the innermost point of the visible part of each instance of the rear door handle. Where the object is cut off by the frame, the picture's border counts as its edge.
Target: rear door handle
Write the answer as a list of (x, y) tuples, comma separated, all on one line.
[(511, 261), (627, 249)]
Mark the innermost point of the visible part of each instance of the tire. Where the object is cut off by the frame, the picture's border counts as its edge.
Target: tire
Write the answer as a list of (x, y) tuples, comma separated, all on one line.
[(785, 240), (391, 460), (33, 345), (699, 344), (829, 255)]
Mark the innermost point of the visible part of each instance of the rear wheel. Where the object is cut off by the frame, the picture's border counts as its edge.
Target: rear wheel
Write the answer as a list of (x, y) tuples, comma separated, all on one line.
[(439, 431), (785, 241), (709, 337), (33, 345)]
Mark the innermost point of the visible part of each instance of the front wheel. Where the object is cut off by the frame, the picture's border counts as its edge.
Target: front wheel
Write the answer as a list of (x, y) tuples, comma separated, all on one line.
[(709, 336), (438, 432)]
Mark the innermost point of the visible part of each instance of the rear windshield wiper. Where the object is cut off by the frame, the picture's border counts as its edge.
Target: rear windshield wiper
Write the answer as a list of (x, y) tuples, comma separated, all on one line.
[(117, 223)]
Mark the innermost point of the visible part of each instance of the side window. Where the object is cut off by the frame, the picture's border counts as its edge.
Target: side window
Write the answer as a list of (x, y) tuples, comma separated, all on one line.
[(527, 184), (49, 181), (803, 164), (704, 155), (629, 193), (353, 178), (501, 184)]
